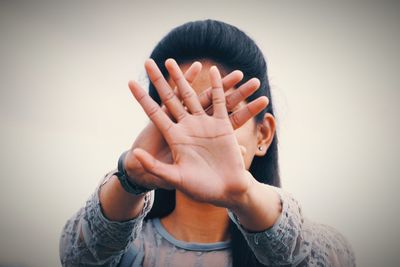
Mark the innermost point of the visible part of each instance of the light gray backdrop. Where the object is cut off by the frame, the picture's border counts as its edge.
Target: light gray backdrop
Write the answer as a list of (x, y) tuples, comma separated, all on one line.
[(66, 112)]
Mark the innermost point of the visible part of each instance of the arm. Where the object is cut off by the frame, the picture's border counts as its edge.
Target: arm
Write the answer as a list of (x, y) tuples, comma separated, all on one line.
[(290, 239), (208, 167), (92, 238), (100, 233)]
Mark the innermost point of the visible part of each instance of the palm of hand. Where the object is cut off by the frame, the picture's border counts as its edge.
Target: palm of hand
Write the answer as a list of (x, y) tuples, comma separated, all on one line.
[(207, 156)]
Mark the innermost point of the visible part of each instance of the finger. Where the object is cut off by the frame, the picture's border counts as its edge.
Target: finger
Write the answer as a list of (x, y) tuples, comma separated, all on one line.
[(238, 95), (242, 93), (187, 93), (192, 72), (249, 111), (152, 109), (167, 172), (167, 96), (155, 181), (228, 82), (218, 95), (190, 75)]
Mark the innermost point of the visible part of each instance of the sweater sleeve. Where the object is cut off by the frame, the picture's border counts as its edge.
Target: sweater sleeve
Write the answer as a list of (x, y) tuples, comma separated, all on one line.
[(295, 241), (90, 239)]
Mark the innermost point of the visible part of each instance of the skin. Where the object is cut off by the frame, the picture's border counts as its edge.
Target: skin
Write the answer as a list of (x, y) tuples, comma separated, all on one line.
[(119, 205), (201, 152), (194, 221)]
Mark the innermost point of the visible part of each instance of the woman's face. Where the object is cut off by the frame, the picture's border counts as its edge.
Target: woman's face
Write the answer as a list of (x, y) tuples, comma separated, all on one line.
[(247, 134)]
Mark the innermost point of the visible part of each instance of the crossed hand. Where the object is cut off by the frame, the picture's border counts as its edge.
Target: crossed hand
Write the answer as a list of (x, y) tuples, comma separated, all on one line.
[(190, 144)]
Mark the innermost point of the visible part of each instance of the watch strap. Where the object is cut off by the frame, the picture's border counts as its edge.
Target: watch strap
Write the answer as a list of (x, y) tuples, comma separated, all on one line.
[(123, 178)]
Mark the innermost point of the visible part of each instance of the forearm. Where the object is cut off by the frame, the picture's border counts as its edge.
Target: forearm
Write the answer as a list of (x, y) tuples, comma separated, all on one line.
[(282, 243), (290, 239), (91, 237), (117, 204)]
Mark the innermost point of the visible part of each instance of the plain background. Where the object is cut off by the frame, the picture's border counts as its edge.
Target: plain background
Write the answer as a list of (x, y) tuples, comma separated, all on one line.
[(66, 112)]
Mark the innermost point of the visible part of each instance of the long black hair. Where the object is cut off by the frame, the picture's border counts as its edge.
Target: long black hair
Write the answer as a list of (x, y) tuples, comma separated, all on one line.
[(231, 48)]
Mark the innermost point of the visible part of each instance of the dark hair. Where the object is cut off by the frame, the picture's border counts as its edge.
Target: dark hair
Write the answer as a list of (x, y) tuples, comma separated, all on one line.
[(231, 48)]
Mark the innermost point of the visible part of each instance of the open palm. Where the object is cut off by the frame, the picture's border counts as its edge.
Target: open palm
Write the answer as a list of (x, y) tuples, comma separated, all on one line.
[(207, 163), (151, 139)]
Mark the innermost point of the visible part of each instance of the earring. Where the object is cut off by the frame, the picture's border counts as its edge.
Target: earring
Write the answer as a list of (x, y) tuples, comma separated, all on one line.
[(260, 148)]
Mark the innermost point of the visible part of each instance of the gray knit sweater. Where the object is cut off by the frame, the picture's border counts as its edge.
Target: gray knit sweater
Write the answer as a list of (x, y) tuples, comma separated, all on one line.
[(90, 239)]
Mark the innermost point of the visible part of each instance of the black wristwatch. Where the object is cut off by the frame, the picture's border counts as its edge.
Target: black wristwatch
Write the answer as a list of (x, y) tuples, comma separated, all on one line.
[(128, 186)]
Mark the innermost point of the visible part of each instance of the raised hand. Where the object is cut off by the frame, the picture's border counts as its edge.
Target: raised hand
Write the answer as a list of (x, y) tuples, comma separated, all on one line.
[(207, 163), (151, 139)]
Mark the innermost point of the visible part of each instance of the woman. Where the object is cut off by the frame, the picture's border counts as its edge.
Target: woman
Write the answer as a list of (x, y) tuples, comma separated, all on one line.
[(212, 159)]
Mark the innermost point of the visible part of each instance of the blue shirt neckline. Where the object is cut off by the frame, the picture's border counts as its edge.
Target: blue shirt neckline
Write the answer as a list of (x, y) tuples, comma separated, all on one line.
[(189, 245)]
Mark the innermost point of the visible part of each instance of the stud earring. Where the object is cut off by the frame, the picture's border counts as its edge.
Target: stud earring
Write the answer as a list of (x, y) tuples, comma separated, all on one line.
[(260, 148)]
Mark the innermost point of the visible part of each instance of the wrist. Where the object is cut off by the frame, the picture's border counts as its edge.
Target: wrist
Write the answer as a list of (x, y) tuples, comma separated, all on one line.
[(126, 181), (244, 200), (259, 208), (117, 204)]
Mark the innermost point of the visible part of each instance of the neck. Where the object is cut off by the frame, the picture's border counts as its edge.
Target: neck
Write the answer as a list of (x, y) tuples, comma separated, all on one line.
[(192, 221)]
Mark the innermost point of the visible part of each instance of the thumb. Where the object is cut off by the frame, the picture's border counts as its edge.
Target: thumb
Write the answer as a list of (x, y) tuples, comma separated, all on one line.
[(167, 172)]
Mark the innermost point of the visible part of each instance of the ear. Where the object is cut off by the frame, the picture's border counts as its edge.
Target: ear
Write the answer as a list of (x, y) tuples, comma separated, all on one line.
[(265, 134)]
